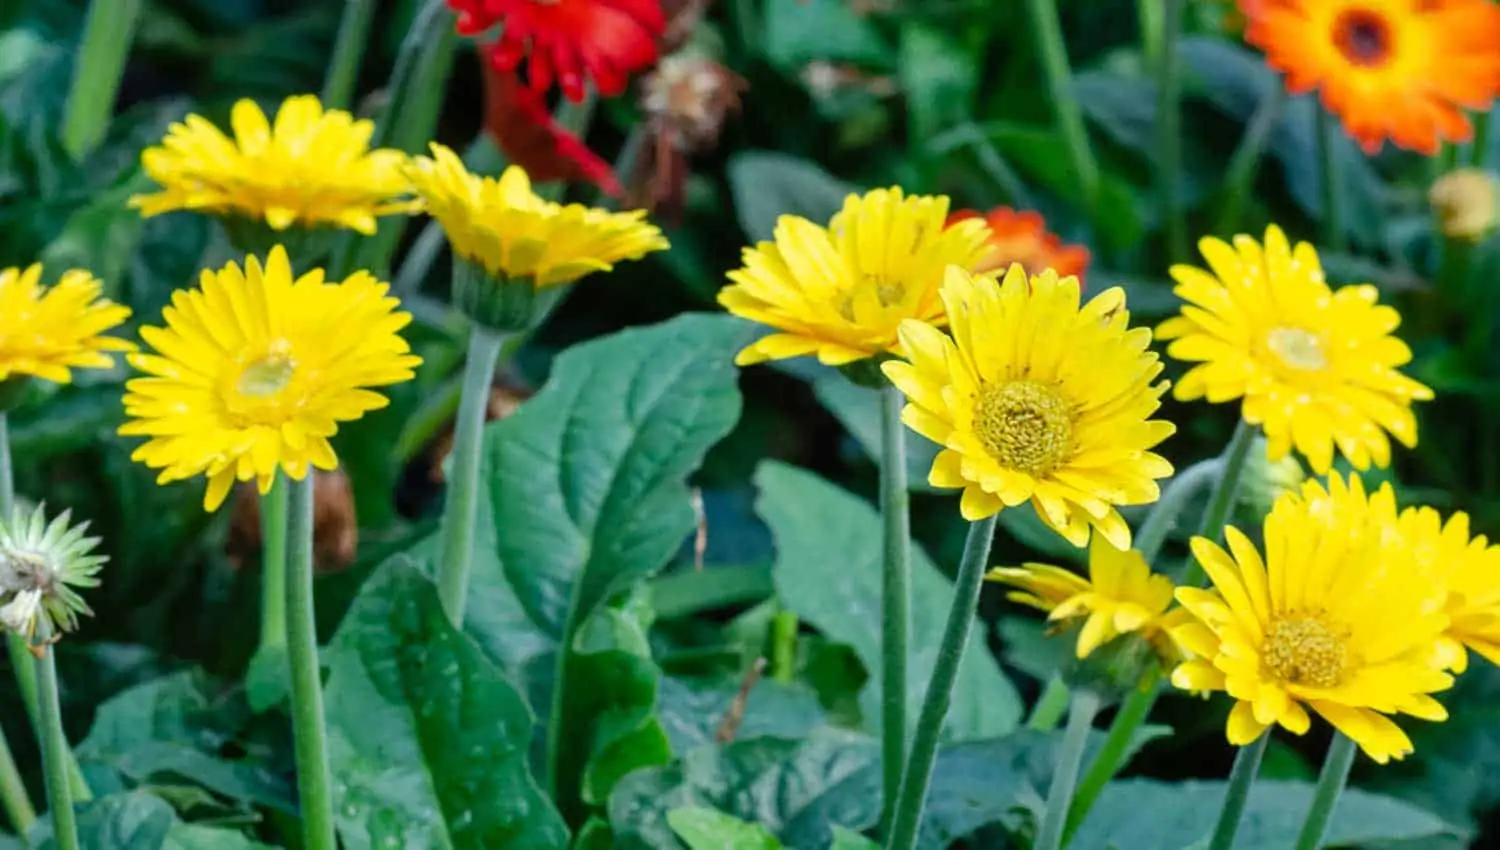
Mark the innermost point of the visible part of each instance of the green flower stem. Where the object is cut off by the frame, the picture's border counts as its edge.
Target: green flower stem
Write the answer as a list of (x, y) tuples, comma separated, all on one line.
[(348, 51), (21, 660), (918, 776), (784, 628), (311, 737), (1169, 131), (895, 594), (461, 513), (55, 753), (273, 565), (108, 31), (1178, 494), (1330, 785), (13, 794), (1221, 499), (1049, 706), (1081, 715), (417, 86), (1239, 177), (1150, 14), (1047, 30), (1481, 147), (1333, 181), (1241, 777), (1128, 719)]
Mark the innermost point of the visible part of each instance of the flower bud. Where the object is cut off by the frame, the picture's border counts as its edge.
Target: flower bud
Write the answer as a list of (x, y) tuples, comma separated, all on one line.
[(1264, 480), (1464, 203), (496, 301)]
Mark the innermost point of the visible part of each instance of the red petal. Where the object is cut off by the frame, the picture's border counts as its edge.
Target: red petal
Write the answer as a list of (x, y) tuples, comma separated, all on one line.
[(517, 118)]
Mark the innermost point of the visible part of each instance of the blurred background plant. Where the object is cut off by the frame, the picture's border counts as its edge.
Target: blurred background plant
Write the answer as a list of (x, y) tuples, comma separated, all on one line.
[(757, 108)]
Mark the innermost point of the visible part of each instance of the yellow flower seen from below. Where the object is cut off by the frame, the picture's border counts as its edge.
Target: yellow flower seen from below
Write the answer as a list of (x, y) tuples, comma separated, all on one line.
[(510, 231), (47, 331), (310, 167), (843, 291), (1120, 596), (256, 368), (1340, 617), (1037, 399), (1317, 368), (1469, 567)]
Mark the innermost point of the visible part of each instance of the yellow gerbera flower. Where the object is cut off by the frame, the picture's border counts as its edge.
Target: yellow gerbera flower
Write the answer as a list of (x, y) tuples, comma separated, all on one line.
[(255, 369), (309, 168), (1316, 367), (1469, 567), (1340, 617), (842, 292), (49, 331), (513, 233), (1036, 399), (1120, 596)]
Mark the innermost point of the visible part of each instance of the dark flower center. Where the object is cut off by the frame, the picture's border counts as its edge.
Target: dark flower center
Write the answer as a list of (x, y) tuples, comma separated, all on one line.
[(1363, 37)]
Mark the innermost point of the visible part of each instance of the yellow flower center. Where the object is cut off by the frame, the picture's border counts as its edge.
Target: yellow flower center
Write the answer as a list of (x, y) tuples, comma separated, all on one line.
[(1363, 37), (1298, 349), (1024, 426), (270, 374), (1303, 651)]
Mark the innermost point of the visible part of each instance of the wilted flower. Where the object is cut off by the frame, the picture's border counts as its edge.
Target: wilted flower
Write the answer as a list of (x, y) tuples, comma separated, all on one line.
[(40, 564), (686, 100)]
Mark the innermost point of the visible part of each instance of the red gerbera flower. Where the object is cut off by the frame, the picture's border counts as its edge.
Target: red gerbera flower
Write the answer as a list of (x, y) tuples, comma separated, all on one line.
[(518, 120), (571, 41), (1022, 237)]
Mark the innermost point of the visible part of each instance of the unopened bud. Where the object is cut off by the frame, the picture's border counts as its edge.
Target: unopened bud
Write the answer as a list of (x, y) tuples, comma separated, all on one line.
[(1464, 203)]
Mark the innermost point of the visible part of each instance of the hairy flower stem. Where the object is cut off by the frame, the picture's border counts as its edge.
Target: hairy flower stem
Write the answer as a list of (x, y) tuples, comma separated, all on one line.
[(1241, 777), (1330, 785), (310, 736), (13, 796), (273, 566), (1047, 31), (461, 513), (56, 756), (108, 31), (348, 51), (1049, 706), (20, 656), (1169, 131), (1128, 719), (1081, 715), (919, 763), (895, 594), (1221, 498)]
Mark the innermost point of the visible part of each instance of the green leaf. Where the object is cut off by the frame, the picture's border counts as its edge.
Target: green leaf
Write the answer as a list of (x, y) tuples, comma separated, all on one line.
[(174, 727), (939, 76), (428, 740), (192, 836), (691, 710), (857, 408), (587, 496), (767, 780), (134, 820), (707, 829), (828, 570), (767, 185), (1143, 813), (844, 839), (801, 31)]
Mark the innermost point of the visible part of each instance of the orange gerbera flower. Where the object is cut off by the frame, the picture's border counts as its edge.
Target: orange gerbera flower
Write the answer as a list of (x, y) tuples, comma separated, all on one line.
[(570, 41), (1022, 237), (1390, 69)]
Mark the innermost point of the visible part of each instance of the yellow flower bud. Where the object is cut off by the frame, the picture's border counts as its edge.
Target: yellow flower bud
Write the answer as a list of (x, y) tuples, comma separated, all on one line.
[(1464, 202)]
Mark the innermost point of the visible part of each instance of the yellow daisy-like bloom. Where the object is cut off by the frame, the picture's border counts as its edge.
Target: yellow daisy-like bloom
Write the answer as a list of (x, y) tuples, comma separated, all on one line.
[(49, 331), (1340, 617), (1120, 596), (1034, 398), (255, 369), (842, 292), (1470, 569), (309, 168), (1317, 368), (513, 233)]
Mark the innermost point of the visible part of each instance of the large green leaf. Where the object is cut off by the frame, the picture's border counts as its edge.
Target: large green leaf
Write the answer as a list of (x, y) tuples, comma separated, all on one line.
[(1142, 813), (708, 829), (801, 31), (137, 820), (767, 185), (587, 496), (176, 726), (691, 710), (828, 570), (428, 740)]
